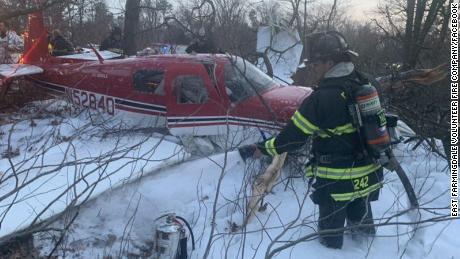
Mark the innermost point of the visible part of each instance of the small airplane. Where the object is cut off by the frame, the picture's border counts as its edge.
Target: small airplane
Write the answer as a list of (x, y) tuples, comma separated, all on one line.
[(199, 95), (208, 95)]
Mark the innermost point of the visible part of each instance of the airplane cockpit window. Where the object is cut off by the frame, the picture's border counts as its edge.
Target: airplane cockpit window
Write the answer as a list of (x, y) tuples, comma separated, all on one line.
[(243, 79), (190, 89), (235, 87), (149, 81)]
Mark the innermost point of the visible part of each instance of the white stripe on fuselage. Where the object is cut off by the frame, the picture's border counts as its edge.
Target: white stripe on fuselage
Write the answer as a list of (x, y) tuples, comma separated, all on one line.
[(155, 107), (218, 123)]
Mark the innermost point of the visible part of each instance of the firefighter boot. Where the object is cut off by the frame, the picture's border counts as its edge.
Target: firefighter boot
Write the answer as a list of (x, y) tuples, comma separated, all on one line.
[(331, 219), (359, 218)]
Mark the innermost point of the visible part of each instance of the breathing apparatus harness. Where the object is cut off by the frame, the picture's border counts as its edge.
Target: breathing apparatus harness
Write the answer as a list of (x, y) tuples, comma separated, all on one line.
[(369, 120), (373, 127), (368, 117)]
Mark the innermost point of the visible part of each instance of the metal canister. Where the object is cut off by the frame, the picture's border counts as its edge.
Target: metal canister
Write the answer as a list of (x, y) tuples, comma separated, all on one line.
[(373, 118), (167, 237)]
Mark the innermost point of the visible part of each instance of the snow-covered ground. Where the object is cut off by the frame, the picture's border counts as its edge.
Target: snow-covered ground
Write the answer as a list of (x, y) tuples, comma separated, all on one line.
[(143, 181), (57, 160), (88, 54)]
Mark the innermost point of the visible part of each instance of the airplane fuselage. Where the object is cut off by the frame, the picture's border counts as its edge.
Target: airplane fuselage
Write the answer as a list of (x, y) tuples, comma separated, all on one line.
[(188, 94)]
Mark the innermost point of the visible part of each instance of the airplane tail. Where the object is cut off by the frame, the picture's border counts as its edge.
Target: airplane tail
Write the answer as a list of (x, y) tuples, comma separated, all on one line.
[(36, 40)]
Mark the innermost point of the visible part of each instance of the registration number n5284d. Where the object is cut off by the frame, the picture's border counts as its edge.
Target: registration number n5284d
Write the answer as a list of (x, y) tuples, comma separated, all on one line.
[(93, 101)]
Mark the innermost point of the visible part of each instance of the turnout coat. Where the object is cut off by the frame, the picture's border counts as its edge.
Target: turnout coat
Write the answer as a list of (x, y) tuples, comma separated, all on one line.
[(342, 171)]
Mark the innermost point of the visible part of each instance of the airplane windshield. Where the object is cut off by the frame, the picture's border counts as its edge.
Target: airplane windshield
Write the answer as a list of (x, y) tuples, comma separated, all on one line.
[(243, 80)]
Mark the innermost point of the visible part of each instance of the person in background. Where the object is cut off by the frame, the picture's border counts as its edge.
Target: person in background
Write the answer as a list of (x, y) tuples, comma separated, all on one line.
[(11, 44), (114, 42), (202, 43), (59, 45)]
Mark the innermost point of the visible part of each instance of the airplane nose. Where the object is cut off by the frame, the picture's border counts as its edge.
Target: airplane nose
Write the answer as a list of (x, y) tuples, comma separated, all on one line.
[(284, 101)]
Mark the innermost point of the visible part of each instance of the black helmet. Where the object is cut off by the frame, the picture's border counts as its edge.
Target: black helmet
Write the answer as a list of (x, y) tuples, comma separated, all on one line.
[(329, 44)]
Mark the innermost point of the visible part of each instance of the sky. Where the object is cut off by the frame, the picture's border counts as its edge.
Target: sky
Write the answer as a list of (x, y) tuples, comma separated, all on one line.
[(357, 9), (362, 9)]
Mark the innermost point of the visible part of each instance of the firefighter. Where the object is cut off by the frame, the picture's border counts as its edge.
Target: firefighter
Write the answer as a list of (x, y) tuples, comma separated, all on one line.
[(59, 45), (114, 42), (10, 44), (346, 180)]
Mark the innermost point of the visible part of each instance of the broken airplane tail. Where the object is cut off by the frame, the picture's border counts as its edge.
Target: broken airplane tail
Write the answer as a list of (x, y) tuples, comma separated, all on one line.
[(35, 53), (36, 40)]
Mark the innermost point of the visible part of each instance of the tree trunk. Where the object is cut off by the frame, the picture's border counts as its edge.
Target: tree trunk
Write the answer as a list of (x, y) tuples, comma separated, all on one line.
[(304, 33), (418, 27), (408, 39), (131, 25), (445, 23)]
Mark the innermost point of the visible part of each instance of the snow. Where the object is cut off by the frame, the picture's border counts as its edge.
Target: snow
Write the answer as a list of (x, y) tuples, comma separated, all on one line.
[(15, 70), (122, 179), (189, 189), (68, 159), (119, 216), (90, 55)]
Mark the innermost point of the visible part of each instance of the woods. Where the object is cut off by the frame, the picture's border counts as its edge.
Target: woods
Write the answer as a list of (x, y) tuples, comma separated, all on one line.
[(92, 183)]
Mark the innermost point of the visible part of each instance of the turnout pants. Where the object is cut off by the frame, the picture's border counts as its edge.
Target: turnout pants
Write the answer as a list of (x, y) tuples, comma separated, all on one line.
[(332, 217)]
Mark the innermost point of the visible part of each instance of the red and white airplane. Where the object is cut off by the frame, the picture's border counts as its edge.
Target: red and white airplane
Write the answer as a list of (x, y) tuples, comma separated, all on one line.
[(199, 95)]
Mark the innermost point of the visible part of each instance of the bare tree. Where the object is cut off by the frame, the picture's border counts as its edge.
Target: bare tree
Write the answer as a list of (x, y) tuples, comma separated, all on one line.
[(419, 20), (10, 9)]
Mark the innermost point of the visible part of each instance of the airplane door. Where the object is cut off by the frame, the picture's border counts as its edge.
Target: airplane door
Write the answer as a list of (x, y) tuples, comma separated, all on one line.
[(194, 106)]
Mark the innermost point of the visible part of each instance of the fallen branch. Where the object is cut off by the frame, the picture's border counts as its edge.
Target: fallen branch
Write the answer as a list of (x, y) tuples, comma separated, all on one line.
[(419, 76), (394, 81), (263, 185)]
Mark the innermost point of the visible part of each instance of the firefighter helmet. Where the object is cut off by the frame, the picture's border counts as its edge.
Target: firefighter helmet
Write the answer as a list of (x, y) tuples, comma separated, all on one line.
[(329, 44)]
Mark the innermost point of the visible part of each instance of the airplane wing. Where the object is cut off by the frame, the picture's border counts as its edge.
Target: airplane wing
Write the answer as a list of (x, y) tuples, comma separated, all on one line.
[(90, 55), (15, 70)]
